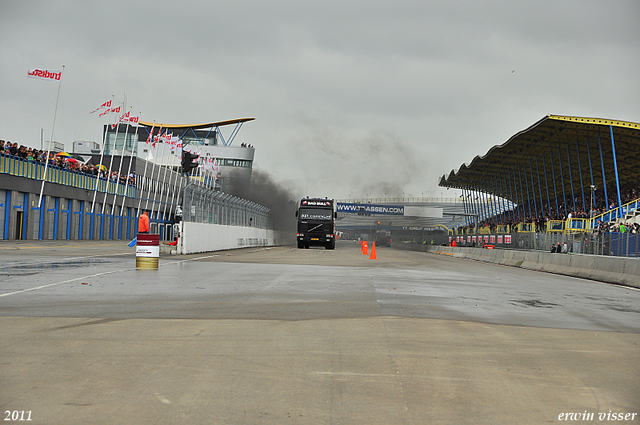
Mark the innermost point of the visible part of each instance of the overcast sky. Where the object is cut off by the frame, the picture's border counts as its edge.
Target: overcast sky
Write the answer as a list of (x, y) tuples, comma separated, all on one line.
[(351, 98)]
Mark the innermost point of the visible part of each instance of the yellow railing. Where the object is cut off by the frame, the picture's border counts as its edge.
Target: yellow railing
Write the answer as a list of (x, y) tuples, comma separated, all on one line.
[(503, 228), (574, 225), (555, 226), (526, 227)]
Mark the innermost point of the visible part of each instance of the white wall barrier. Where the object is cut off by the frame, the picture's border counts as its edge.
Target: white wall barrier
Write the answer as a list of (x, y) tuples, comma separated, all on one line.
[(204, 237), (618, 270)]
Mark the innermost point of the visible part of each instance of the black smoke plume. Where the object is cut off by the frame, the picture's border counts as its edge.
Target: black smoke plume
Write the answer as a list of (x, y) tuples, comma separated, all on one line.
[(281, 202)]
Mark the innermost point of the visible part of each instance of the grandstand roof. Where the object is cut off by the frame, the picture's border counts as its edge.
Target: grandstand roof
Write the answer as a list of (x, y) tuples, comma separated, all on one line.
[(197, 126), (549, 138)]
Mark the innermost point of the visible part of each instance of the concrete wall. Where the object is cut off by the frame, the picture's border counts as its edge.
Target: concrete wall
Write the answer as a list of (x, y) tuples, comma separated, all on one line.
[(618, 270), (204, 237)]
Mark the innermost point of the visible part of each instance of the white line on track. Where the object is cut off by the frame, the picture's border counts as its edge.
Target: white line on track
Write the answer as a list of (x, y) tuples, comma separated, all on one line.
[(64, 281), (96, 275)]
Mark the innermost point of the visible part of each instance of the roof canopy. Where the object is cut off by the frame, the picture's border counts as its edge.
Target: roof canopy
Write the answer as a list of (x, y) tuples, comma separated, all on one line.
[(213, 126), (568, 149), (197, 126)]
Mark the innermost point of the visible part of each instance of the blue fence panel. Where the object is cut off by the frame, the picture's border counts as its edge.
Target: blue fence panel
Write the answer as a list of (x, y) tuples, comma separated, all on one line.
[(625, 244)]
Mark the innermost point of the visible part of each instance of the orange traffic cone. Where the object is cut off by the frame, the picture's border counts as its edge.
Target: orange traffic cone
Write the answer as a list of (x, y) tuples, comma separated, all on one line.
[(365, 250), (373, 251)]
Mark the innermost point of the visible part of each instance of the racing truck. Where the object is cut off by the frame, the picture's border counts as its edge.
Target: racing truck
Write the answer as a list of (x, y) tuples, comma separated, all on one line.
[(316, 223)]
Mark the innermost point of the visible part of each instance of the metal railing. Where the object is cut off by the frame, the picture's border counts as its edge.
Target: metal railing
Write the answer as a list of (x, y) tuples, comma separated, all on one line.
[(204, 205), (613, 244), (619, 212)]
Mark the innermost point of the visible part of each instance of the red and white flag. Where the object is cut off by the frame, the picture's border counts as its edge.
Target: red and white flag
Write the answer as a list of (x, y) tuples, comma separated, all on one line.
[(45, 74), (172, 140), (156, 138), (104, 105), (123, 118), (114, 110), (151, 133), (128, 118)]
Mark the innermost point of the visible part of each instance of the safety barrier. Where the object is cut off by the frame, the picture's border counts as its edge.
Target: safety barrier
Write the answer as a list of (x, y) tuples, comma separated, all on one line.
[(503, 228), (556, 226), (526, 227), (622, 271), (204, 237), (577, 225)]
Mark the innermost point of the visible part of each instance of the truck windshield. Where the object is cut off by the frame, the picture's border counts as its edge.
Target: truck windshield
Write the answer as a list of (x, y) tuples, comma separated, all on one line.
[(315, 214)]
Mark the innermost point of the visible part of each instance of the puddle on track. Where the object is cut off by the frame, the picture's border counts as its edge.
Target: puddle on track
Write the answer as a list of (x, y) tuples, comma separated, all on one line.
[(32, 268)]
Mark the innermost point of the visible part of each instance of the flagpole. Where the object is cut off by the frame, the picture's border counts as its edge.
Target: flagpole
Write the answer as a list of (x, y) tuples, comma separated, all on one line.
[(154, 140), (126, 186), (104, 142), (178, 173), (173, 147), (46, 164), (164, 209), (199, 173), (144, 175), (124, 146), (115, 142), (173, 196), (153, 206)]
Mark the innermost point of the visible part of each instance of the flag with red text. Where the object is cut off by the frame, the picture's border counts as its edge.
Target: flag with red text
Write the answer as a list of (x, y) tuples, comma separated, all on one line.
[(45, 74), (104, 105)]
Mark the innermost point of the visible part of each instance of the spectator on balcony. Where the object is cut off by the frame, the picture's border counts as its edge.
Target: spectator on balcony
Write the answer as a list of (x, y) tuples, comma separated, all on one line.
[(13, 149)]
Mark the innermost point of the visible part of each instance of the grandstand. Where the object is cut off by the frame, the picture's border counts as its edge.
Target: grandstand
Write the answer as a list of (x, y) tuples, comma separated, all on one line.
[(568, 178)]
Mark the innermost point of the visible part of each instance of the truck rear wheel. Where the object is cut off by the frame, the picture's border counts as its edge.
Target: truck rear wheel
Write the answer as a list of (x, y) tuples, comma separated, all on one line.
[(331, 245), (300, 245)]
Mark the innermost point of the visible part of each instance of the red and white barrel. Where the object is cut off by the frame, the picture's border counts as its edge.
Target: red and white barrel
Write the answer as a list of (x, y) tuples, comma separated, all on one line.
[(147, 251)]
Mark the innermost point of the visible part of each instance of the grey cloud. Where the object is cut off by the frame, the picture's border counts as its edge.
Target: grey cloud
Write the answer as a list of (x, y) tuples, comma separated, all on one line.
[(389, 94)]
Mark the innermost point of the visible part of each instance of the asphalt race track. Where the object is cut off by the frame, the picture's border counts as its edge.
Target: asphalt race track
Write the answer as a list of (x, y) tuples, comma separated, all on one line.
[(281, 335)]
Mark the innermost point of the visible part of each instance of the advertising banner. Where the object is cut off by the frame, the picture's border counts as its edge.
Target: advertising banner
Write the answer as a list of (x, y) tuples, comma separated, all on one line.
[(45, 74), (370, 209)]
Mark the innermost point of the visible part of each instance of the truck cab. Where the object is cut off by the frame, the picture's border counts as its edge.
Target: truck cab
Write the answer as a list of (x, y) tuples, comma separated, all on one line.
[(316, 223)]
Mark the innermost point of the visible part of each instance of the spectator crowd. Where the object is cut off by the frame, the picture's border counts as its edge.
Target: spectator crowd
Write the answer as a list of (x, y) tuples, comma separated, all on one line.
[(65, 163)]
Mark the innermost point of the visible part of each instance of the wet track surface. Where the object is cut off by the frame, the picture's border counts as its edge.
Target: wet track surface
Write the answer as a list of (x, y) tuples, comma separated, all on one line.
[(276, 284), (281, 335)]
